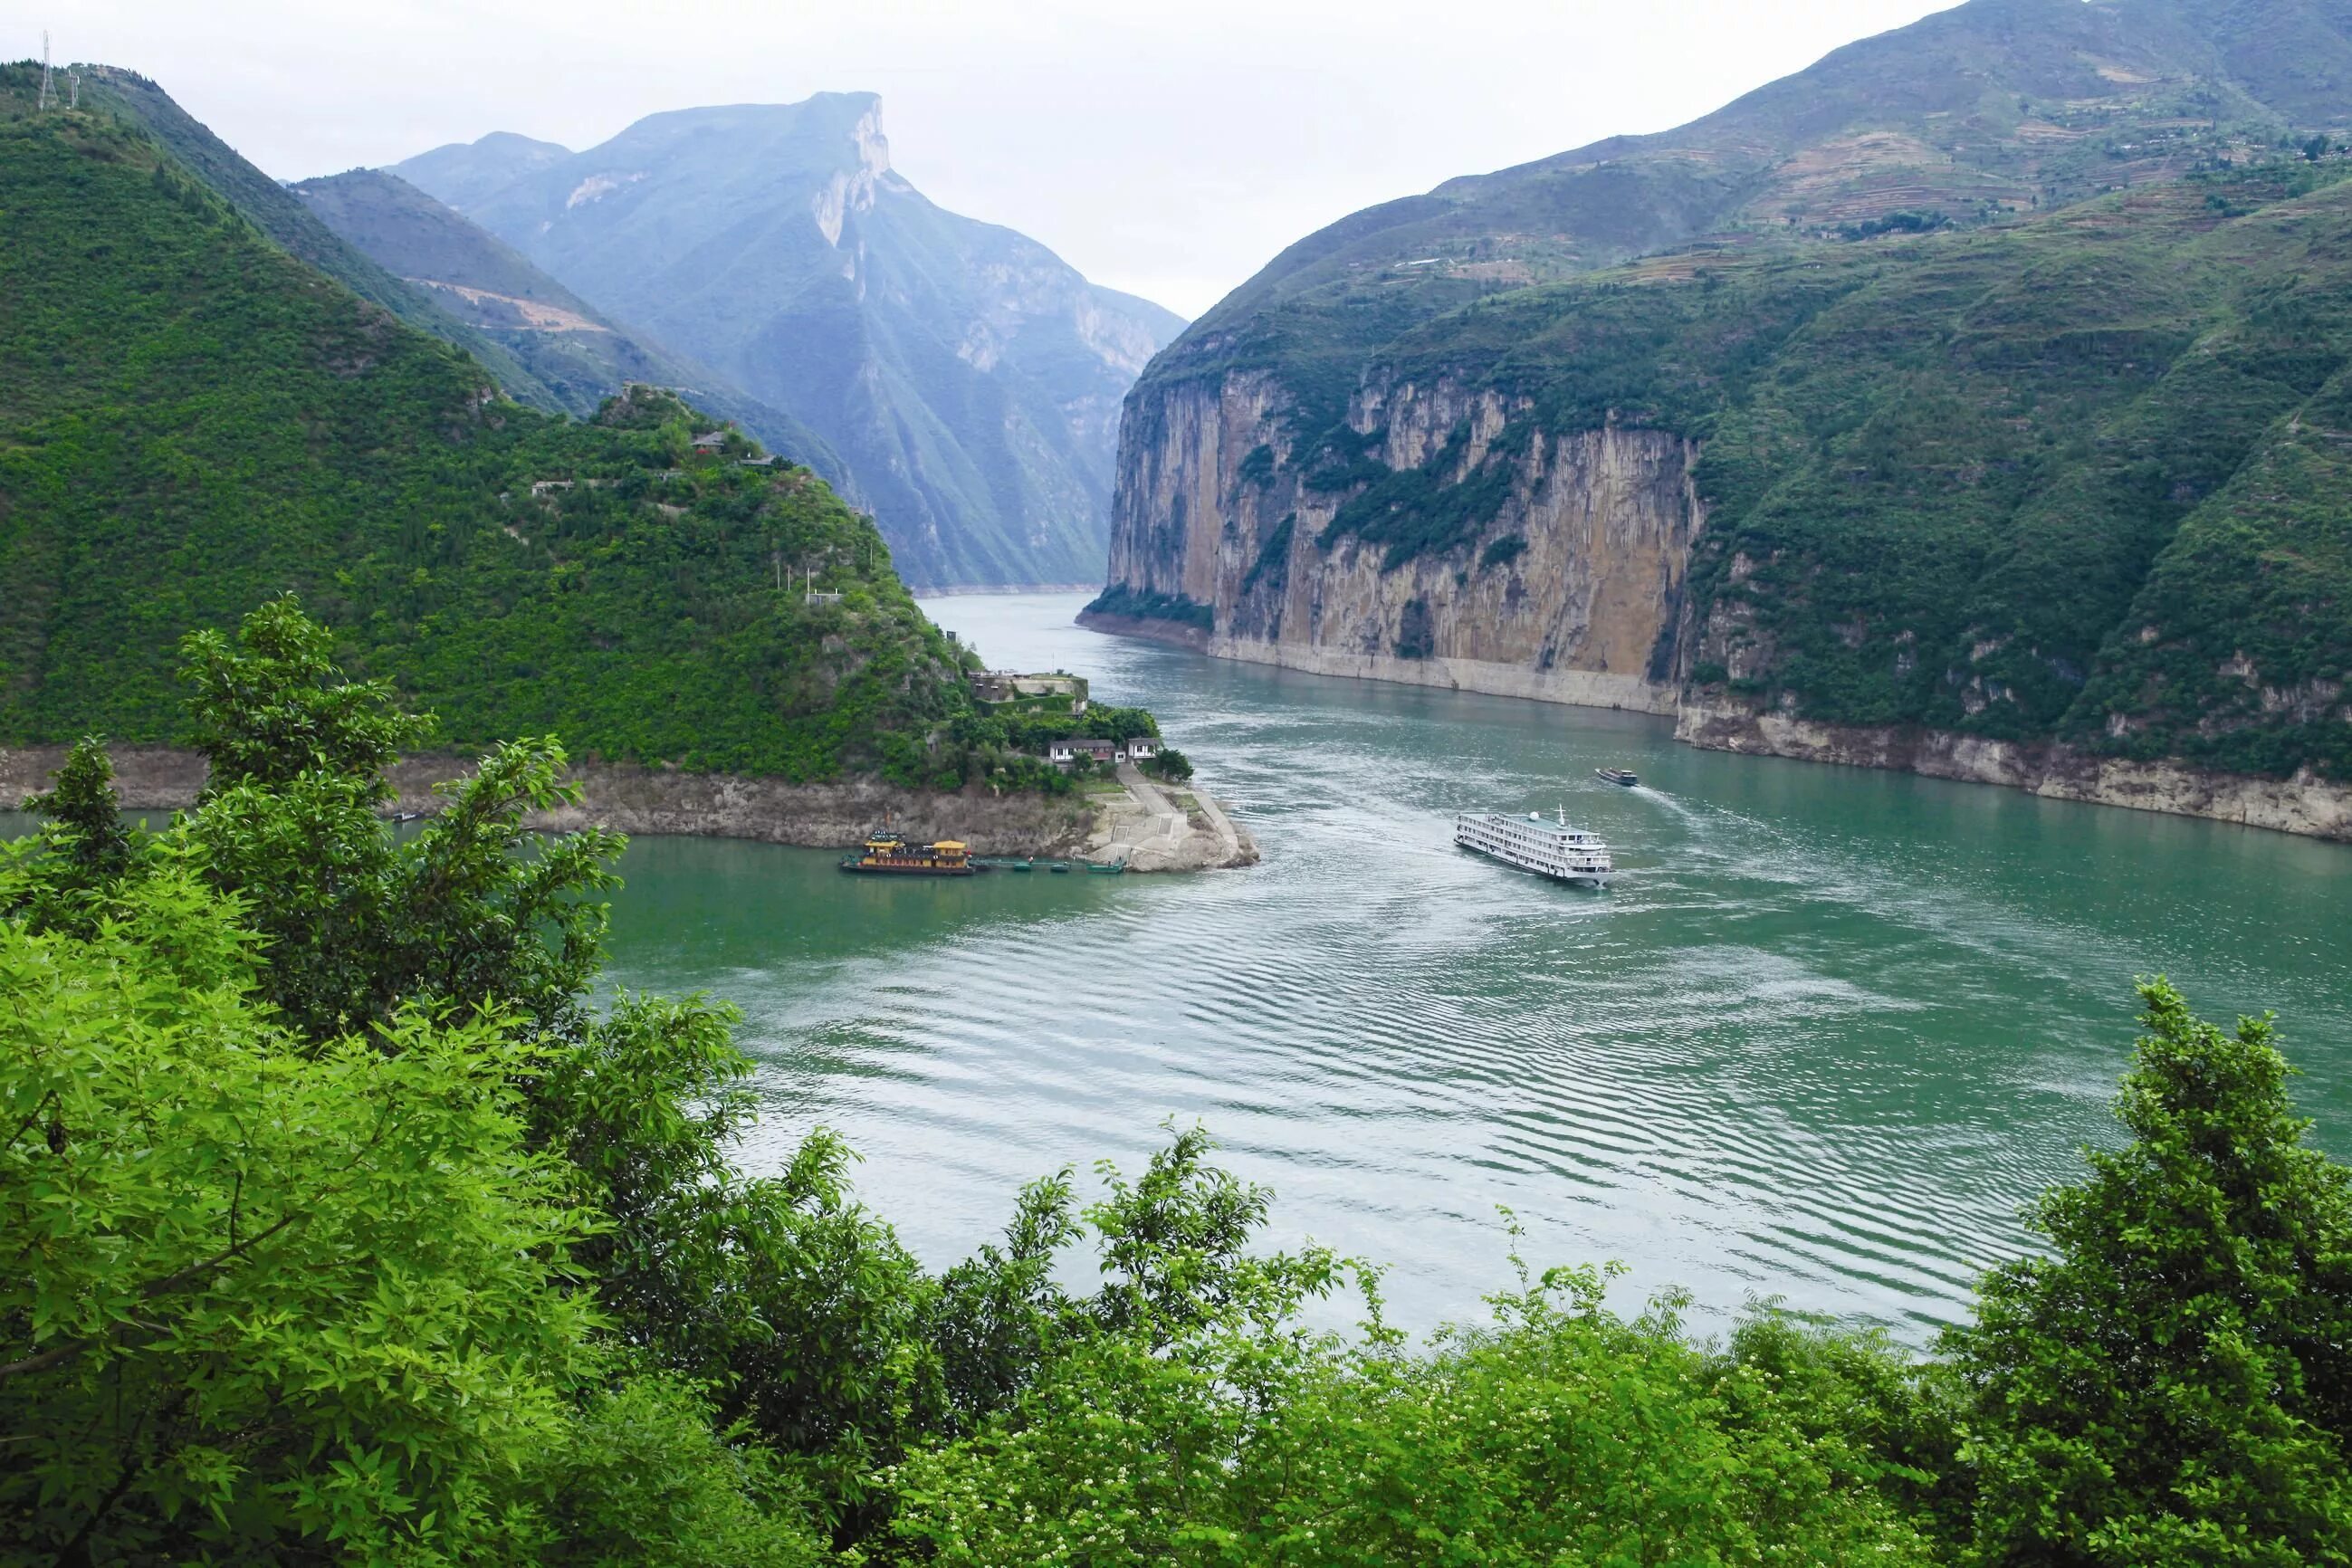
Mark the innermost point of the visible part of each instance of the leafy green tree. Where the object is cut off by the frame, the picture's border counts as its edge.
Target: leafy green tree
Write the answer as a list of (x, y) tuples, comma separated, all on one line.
[(1235, 1433), (272, 706), (641, 1479), (360, 922), (82, 849), (1169, 764), (2172, 1384), (261, 1298)]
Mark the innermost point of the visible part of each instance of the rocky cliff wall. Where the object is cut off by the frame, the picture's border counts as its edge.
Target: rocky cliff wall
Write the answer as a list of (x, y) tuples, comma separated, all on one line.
[(1571, 591)]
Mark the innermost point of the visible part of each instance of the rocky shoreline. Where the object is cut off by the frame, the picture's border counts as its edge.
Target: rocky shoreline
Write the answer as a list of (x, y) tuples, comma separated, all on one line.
[(634, 799), (2306, 804), (1175, 634)]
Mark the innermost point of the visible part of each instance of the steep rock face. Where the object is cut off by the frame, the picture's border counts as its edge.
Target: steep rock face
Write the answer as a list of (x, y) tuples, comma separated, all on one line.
[(968, 379), (1571, 591)]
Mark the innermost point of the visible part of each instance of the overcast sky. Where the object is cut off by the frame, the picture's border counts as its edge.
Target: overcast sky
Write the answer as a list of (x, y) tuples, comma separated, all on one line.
[(1168, 149)]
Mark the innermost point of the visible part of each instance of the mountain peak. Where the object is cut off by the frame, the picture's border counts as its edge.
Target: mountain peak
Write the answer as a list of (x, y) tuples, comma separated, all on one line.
[(461, 172)]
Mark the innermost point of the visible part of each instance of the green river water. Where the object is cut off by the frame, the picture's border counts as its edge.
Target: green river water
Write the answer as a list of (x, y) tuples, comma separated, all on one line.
[(1826, 1036)]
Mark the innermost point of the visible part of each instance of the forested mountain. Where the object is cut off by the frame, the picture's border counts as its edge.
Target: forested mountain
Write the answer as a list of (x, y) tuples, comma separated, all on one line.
[(269, 207), (193, 420), (968, 379), (1977, 381), (578, 353)]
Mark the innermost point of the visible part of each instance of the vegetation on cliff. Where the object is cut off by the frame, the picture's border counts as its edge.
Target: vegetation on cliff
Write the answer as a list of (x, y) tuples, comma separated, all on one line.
[(2010, 338), (349, 1225), (2070, 477), (193, 421)]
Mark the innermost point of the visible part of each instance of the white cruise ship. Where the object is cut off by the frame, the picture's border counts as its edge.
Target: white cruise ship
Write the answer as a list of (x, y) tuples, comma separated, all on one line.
[(1548, 848)]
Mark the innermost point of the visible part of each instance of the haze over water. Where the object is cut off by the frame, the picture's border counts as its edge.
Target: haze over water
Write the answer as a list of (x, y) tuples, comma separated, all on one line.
[(1830, 1032)]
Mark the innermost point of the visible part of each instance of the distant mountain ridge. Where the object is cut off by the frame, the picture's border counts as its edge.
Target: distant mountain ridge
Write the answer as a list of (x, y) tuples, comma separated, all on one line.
[(968, 379), (576, 351)]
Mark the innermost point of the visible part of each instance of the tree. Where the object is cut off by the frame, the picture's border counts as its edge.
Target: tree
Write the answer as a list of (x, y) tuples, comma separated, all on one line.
[(272, 706), (2173, 1383), (83, 848), (1170, 763), (261, 1300), (359, 922)]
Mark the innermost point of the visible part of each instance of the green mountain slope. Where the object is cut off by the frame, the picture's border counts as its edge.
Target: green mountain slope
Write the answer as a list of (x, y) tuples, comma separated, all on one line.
[(968, 379), (192, 420), (2075, 476), (1995, 361), (271, 209), (577, 353)]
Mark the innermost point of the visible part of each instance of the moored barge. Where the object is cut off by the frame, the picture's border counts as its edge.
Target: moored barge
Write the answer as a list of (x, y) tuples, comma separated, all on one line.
[(889, 854)]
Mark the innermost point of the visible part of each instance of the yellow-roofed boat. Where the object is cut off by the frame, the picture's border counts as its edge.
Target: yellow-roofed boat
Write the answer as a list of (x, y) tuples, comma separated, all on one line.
[(889, 854)]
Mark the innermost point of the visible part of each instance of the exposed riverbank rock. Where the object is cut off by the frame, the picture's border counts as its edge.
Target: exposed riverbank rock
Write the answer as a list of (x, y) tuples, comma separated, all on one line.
[(2302, 804), (634, 799), (1174, 633)]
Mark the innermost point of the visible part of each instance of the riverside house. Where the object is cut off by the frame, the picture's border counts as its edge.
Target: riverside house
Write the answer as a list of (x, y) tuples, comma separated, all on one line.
[(1063, 753), (1142, 748)]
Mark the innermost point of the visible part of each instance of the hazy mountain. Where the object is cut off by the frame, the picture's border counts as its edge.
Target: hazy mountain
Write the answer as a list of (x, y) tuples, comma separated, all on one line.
[(463, 173), (969, 378), (1995, 106), (580, 354)]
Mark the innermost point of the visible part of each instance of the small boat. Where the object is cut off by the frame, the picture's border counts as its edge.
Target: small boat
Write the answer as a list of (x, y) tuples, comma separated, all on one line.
[(1624, 776), (1106, 868), (1057, 868), (888, 854)]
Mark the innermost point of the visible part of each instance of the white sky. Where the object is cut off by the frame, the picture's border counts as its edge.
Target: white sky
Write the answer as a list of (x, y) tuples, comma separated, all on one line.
[(1165, 149)]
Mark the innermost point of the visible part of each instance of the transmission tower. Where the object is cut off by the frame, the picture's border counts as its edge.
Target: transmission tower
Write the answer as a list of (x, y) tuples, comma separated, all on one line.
[(73, 88), (48, 98)]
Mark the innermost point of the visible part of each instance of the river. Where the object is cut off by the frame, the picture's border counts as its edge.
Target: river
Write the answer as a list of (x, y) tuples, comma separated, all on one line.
[(1828, 1035), (1830, 1032)]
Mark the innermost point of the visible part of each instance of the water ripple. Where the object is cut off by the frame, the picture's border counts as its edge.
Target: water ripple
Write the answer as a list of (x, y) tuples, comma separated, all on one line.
[(1823, 1042)]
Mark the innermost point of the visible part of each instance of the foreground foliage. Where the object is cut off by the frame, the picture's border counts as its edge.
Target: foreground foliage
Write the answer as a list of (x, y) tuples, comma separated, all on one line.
[(341, 1225)]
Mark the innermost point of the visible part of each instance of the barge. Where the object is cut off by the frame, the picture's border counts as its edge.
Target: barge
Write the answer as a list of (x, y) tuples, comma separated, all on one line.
[(1551, 849), (889, 854)]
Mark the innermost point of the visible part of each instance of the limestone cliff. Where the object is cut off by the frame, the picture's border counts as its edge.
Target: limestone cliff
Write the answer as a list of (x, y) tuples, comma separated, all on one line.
[(1569, 590)]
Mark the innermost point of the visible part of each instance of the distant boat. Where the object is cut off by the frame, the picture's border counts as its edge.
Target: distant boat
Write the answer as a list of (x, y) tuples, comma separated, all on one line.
[(1620, 777)]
